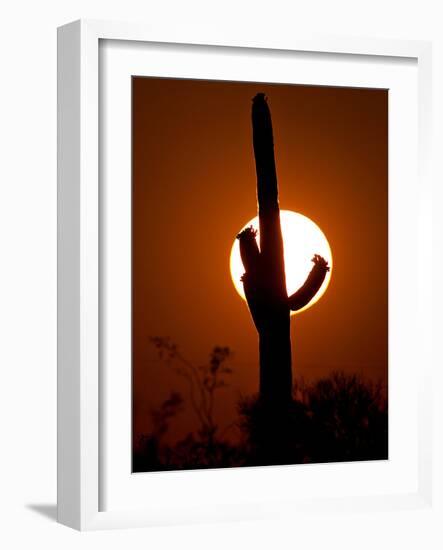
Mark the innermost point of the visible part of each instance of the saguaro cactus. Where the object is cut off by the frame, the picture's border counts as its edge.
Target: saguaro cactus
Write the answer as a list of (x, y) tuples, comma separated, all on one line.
[(264, 278)]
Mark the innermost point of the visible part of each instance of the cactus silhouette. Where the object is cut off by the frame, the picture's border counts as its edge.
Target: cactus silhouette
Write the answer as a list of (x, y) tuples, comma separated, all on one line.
[(264, 279)]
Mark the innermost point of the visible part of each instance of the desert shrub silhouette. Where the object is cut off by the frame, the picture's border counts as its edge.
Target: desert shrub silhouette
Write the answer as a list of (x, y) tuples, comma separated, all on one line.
[(349, 419), (339, 418), (342, 417), (205, 447)]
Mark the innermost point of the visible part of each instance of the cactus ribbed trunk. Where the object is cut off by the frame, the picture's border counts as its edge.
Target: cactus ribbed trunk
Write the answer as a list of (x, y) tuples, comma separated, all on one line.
[(274, 329), (275, 360), (264, 278)]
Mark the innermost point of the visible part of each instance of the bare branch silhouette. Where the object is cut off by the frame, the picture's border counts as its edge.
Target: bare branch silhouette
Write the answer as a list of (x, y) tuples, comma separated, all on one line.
[(203, 380)]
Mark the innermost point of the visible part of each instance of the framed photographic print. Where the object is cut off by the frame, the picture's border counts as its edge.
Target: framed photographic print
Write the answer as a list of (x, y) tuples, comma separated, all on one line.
[(246, 401), (242, 303)]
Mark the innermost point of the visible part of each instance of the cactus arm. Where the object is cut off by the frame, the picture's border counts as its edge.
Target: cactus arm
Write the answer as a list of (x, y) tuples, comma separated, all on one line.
[(250, 256), (249, 252), (311, 286)]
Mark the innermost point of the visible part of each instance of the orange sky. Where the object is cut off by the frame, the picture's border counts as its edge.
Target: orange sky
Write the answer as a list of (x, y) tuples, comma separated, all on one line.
[(194, 187)]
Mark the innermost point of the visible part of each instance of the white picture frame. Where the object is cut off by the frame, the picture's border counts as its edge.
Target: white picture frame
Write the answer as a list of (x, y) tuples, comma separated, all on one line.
[(80, 412)]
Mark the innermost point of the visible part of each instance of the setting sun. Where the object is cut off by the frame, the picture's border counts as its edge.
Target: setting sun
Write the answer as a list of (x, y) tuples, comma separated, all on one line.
[(302, 238)]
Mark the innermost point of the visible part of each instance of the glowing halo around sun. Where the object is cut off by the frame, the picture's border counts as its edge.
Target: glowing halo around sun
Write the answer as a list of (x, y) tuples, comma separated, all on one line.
[(302, 238)]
